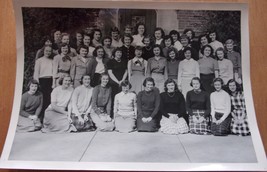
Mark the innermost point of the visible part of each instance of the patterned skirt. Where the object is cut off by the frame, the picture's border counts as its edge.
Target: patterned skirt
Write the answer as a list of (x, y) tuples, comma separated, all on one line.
[(86, 126), (222, 129), (239, 127), (169, 127), (198, 124)]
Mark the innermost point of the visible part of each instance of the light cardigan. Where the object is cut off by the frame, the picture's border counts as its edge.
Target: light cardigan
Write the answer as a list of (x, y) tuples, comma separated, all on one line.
[(187, 69), (220, 102)]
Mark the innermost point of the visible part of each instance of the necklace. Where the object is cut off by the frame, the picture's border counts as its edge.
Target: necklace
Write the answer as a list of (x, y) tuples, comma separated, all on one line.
[(170, 94)]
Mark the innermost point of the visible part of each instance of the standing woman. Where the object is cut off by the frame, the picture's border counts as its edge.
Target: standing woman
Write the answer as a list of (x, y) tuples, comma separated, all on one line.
[(65, 38), (172, 64), (30, 109), (81, 105), (148, 104), (101, 105), (176, 39), (188, 69), (209, 68), (172, 108), (137, 70), (127, 49), (148, 48), (239, 123), (198, 108), (159, 35), (157, 68), (139, 36), (220, 109), (214, 43), (97, 65), (57, 115), (97, 34), (106, 42), (87, 42), (202, 41), (47, 41), (56, 35), (125, 109), (61, 64), (79, 65), (43, 73), (168, 44)]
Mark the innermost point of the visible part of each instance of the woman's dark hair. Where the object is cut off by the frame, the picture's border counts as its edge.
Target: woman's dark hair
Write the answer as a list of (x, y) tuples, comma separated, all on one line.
[(183, 36), (35, 82), (97, 48), (88, 35), (195, 79), (97, 30), (175, 32), (161, 30), (139, 48), (166, 37), (170, 50), (238, 86), (158, 46), (220, 49), (148, 79), (102, 75), (125, 83), (81, 81), (187, 30), (201, 36), (204, 47), (115, 50), (217, 80), (150, 39), (136, 28), (114, 29), (169, 80), (63, 45), (60, 82), (106, 37), (214, 31), (188, 49), (82, 46), (127, 35)]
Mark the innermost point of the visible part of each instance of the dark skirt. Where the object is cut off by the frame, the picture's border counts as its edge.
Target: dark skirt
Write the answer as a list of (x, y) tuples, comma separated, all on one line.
[(46, 89), (222, 129), (206, 81), (151, 126)]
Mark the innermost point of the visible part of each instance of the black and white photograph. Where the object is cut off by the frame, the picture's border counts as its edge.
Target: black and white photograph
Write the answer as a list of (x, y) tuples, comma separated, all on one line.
[(120, 85)]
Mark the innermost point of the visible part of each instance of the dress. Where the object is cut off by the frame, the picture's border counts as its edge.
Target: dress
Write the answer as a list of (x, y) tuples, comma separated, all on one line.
[(136, 71), (61, 67), (173, 67), (238, 112), (225, 70), (31, 104), (54, 121), (173, 104), (125, 110), (198, 108), (101, 108), (148, 104), (81, 104)]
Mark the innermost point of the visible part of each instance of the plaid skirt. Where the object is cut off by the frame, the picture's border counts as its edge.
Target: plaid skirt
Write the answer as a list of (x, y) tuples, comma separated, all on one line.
[(222, 129), (198, 124), (239, 127), (169, 127)]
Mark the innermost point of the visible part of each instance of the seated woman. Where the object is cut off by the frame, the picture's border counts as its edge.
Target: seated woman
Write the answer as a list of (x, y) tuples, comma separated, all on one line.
[(172, 108), (125, 109), (81, 105), (220, 109), (101, 105), (148, 104), (198, 108), (239, 123), (57, 115), (30, 109)]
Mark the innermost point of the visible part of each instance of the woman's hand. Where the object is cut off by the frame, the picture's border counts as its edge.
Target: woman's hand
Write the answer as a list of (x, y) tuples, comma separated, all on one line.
[(149, 119), (144, 120), (70, 120), (108, 118), (85, 118), (81, 120), (173, 118)]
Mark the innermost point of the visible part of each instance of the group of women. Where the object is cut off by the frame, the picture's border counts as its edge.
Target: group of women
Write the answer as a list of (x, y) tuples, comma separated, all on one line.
[(168, 83)]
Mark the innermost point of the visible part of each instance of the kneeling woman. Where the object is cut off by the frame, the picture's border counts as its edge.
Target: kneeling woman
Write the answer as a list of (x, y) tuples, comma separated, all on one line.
[(81, 105), (57, 115), (101, 105), (220, 109), (173, 110), (125, 109), (198, 108), (30, 109), (148, 104)]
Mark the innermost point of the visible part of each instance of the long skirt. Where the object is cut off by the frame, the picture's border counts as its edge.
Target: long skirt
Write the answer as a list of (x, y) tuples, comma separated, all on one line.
[(239, 127), (28, 125), (151, 126), (185, 84), (222, 129), (125, 124), (198, 124), (136, 81), (86, 126), (100, 123), (55, 122), (206, 81), (159, 81), (169, 127)]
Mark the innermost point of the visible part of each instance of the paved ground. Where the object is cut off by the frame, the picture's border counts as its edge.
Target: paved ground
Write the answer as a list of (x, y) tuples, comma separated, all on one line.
[(133, 147)]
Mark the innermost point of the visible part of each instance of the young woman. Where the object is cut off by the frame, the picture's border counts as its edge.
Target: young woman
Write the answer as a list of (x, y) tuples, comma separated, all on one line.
[(214, 43), (139, 35), (30, 109), (87, 42), (172, 64), (157, 68), (127, 49), (148, 104), (202, 41), (168, 44), (137, 70), (185, 43), (101, 105), (96, 41), (115, 35), (198, 108), (148, 48), (65, 39), (220, 109), (191, 35), (159, 35), (239, 123), (57, 115), (106, 42), (176, 39), (172, 108), (125, 109), (47, 41)]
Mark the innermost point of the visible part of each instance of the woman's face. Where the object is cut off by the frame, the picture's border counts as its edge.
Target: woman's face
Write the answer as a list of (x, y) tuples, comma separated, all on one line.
[(184, 42), (125, 89), (138, 53), (220, 55), (47, 51), (65, 39), (128, 31), (147, 41), (156, 51), (189, 34), (79, 36), (66, 82), (168, 42), (127, 41), (100, 52), (107, 42), (115, 35), (57, 35), (86, 40), (207, 51), (48, 43), (86, 81), (204, 40), (33, 88), (158, 34), (141, 29), (195, 84), (229, 47), (187, 54), (170, 87), (104, 80), (172, 55), (65, 50), (232, 87), (217, 85), (212, 36), (83, 52), (149, 86), (118, 54), (174, 37), (97, 35)]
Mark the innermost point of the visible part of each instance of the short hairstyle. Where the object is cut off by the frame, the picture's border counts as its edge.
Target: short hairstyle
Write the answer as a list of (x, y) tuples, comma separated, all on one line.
[(97, 48), (81, 80), (166, 37), (187, 30), (126, 83), (161, 30), (51, 55), (205, 46), (170, 80), (82, 46), (201, 36), (150, 39), (97, 30), (148, 79), (128, 26), (217, 80), (114, 29), (102, 75), (214, 31), (187, 49), (63, 45), (140, 24), (127, 35), (170, 50), (115, 50), (238, 86), (33, 81), (220, 49), (229, 41), (195, 79), (53, 31), (184, 36), (46, 38), (158, 46), (106, 37), (64, 34), (175, 32), (60, 81), (87, 34)]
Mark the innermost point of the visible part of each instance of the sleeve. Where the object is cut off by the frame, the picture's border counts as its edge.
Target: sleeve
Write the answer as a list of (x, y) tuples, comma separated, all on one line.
[(188, 104), (197, 70), (162, 106), (116, 105), (73, 68), (157, 103), (39, 108), (165, 69), (230, 69), (182, 108), (55, 67), (109, 104), (22, 106), (215, 65), (179, 79), (207, 101), (74, 101), (212, 105), (139, 104), (94, 100), (36, 70), (148, 71)]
